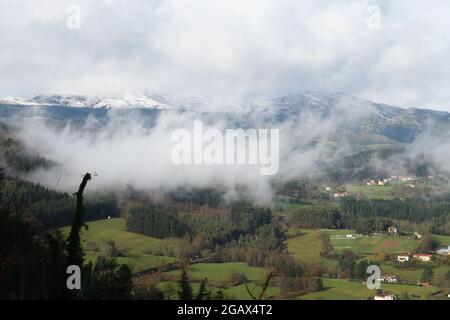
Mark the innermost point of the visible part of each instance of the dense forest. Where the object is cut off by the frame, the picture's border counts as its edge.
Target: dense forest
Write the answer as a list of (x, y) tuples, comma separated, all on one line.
[(33, 263), (49, 208), (368, 216), (161, 221)]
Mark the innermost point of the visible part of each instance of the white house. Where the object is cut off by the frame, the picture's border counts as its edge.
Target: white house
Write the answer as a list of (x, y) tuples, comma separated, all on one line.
[(444, 251), (422, 257)]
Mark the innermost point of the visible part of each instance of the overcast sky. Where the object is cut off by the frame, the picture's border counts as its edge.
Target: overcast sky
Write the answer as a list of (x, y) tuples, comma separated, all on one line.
[(232, 48)]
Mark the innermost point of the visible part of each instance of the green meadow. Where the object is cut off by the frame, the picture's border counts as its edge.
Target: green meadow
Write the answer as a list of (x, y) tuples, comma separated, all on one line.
[(372, 192), (341, 289), (307, 246), (239, 292), (134, 247), (219, 273), (371, 245), (218, 276)]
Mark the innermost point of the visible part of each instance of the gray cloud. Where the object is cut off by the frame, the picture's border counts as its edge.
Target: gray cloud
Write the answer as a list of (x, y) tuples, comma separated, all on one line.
[(228, 49)]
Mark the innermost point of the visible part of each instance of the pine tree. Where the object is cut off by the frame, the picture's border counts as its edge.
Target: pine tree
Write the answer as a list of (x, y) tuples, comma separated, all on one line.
[(427, 274), (318, 286), (185, 292), (203, 293), (219, 295)]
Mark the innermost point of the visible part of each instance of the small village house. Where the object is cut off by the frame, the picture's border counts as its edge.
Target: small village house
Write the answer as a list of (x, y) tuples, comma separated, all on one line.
[(424, 257), (341, 195), (444, 251)]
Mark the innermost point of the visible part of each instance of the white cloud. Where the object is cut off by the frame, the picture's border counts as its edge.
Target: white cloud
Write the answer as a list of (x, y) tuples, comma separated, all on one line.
[(228, 48)]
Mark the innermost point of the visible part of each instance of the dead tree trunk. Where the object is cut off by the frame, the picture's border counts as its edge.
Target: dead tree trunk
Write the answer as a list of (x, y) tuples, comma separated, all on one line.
[(75, 254)]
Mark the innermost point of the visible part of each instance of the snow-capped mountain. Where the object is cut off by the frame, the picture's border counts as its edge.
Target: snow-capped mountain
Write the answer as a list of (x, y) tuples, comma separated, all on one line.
[(126, 101), (19, 101), (360, 118)]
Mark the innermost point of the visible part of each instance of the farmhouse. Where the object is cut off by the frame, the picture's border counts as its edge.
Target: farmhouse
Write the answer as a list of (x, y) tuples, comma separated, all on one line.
[(384, 296), (444, 251), (341, 194), (403, 257), (422, 257)]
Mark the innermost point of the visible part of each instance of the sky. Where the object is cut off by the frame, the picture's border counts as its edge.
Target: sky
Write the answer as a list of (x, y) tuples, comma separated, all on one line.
[(394, 52)]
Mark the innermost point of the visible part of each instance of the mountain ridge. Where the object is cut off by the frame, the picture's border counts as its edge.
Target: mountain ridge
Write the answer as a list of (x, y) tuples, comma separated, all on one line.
[(364, 119)]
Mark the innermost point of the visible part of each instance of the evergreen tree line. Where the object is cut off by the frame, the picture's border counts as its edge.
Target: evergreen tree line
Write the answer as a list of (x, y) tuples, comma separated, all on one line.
[(162, 221), (33, 266), (49, 208), (199, 196), (367, 216)]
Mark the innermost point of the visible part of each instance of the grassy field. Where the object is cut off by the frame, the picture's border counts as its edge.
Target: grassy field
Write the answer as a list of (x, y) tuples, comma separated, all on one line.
[(338, 239), (306, 247), (240, 292), (219, 273), (289, 206), (372, 192), (369, 245), (443, 240), (139, 253), (135, 247), (386, 244), (340, 289), (169, 289), (413, 275)]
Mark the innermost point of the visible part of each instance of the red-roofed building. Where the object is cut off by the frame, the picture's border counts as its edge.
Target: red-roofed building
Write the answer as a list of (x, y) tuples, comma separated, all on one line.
[(424, 257)]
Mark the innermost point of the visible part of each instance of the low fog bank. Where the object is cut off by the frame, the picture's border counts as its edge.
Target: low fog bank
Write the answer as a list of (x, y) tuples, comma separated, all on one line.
[(126, 153)]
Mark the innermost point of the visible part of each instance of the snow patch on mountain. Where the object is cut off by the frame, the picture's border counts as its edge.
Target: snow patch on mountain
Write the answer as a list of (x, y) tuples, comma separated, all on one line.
[(127, 101)]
